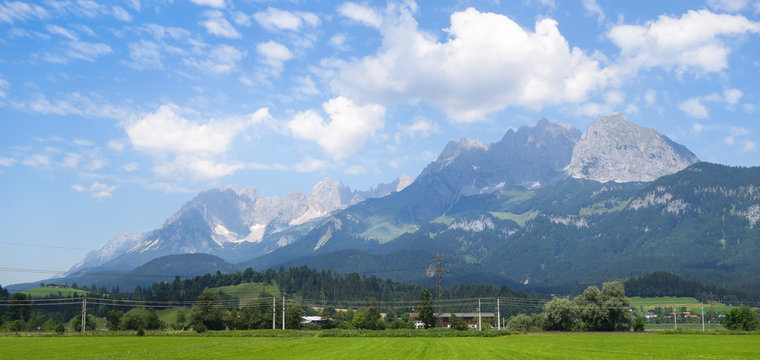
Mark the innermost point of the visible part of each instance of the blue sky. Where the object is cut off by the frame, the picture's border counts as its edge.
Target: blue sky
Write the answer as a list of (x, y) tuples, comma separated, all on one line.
[(113, 114)]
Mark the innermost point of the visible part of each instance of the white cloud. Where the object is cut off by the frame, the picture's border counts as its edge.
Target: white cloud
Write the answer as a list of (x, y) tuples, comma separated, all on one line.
[(198, 169), (116, 145), (748, 146), (338, 41), (21, 11), (6, 161), (650, 97), (593, 9), (57, 30), (732, 96), (71, 160), (487, 64), (212, 3), (83, 142), (361, 13), (275, 19), (196, 147), (728, 5), (422, 127), (37, 160), (130, 167), (694, 108), (310, 164), (305, 85), (4, 86), (120, 14), (274, 54), (348, 128), (145, 54), (216, 24), (97, 190), (729, 140), (166, 130), (220, 59), (692, 43), (74, 104), (76, 49)]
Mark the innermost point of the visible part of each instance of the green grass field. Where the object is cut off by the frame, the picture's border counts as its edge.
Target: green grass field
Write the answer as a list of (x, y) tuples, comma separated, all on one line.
[(691, 304), (248, 291), (43, 292), (530, 346)]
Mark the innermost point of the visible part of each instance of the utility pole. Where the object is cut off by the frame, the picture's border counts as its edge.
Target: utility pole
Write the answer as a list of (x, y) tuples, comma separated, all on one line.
[(498, 313), (274, 310), (480, 326), (703, 317), (675, 319), (438, 269), (283, 312), (84, 314)]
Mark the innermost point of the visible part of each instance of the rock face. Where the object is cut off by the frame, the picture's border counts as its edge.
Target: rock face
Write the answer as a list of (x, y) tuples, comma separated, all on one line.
[(117, 246), (229, 221), (614, 149), (530, 157)]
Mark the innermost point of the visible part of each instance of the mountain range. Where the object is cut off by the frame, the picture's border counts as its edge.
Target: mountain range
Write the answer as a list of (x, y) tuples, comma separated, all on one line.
[(546, 207)]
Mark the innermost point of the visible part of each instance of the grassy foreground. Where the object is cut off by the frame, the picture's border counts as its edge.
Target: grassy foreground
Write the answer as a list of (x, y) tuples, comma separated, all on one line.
[(529, 346)]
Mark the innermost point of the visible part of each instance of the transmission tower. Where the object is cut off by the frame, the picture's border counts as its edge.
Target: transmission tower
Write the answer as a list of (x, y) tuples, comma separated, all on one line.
[(438, 269)]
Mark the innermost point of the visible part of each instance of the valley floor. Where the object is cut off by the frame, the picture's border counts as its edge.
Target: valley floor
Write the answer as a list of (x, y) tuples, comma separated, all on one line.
[(306, 346)]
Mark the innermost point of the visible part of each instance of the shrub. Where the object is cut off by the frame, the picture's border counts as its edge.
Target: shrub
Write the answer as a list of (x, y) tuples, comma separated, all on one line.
[(60, 329), (638, 324), (742, 318), (521, 323)]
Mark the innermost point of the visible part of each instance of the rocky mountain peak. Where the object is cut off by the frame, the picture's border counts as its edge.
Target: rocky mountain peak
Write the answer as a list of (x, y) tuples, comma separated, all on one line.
[(615, 149), (453, 149)]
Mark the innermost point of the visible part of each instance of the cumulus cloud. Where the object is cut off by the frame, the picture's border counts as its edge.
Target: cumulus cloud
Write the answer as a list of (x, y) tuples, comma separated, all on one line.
[(21, 11), (195, 146), (274, 54), (97, 190), (347, 129), (361, 13), (487, 64), (216, 24), (275, 19), (422, 127), (696, 108), (695, 42)]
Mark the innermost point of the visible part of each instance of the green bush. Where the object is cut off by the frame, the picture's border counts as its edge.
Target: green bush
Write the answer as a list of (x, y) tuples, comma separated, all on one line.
[(60, 329), (141, 331), (638, 324), (742, 318), (521, 323)]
